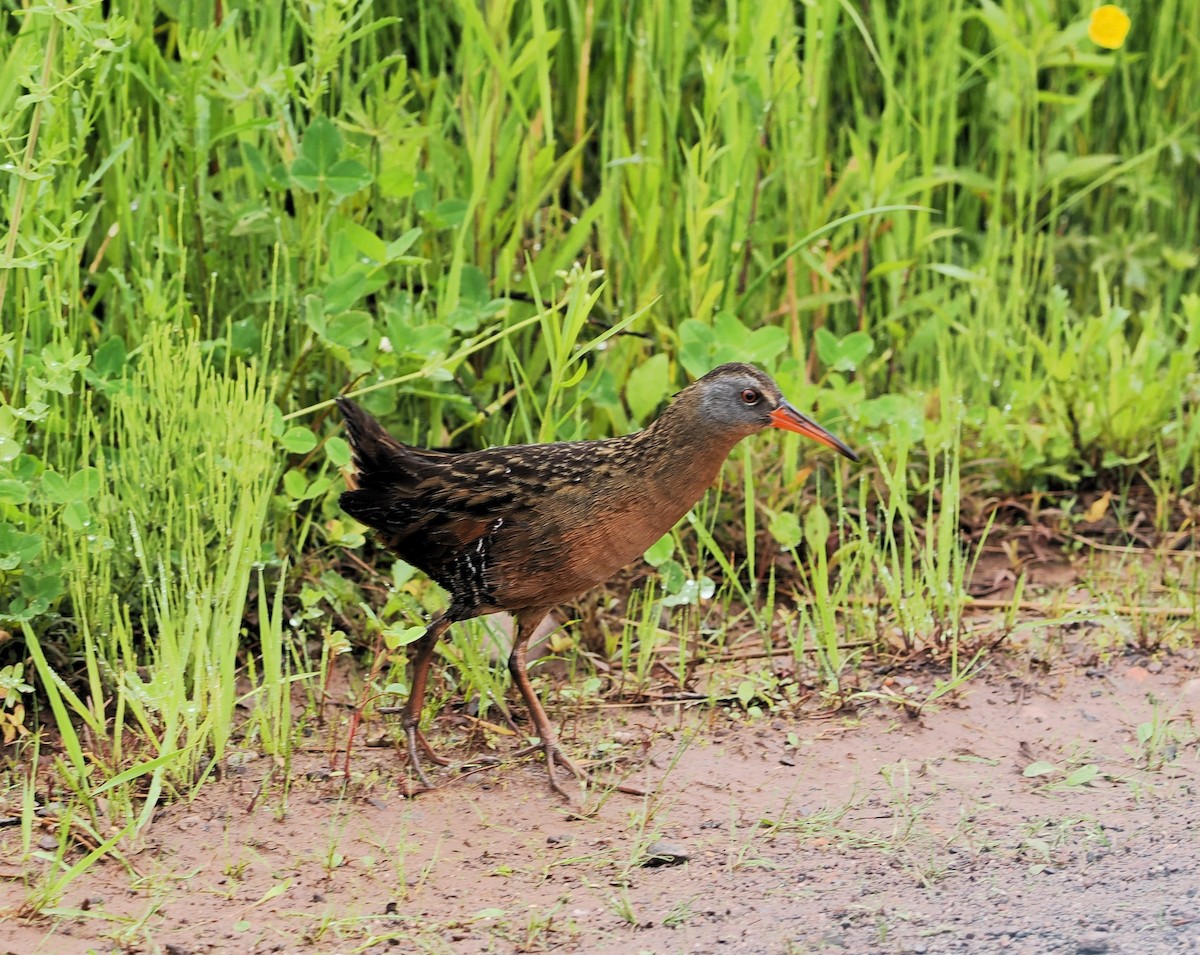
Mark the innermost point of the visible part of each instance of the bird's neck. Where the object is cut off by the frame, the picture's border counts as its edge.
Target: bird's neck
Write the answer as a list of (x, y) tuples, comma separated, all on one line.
[(683, 451)]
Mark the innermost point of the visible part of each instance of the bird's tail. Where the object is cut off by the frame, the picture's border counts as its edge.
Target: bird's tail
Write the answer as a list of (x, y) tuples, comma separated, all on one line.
[(383, 466), (374, 449)]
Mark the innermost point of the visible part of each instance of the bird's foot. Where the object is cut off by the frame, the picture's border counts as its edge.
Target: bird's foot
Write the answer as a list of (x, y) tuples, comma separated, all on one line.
[(555, 757), (417, 744)]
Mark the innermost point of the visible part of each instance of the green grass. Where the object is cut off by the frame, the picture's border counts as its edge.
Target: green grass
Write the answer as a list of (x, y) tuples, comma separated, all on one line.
[(961, 233)]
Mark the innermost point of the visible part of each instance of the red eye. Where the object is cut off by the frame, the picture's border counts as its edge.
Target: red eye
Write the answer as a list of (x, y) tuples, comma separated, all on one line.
[(750, 396)]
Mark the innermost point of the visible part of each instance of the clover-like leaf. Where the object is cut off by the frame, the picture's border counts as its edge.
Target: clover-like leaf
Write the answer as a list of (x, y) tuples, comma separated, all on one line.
[(298, 440), (785, 528), (350, 329), (346, 177), (647, 386), (321, 144), (17, 547), (13, 491)]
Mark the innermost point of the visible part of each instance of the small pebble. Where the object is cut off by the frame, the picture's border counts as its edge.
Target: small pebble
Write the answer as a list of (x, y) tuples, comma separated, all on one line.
[(559, 840), (1092, 943), (236, 762), (664, 853)]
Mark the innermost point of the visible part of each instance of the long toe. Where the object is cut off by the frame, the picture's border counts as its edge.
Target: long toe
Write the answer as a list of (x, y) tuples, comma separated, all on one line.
[(414, 756), (430, 753), (555, 757)]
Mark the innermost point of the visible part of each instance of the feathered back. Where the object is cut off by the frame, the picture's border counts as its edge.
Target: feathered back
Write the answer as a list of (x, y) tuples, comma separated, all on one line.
[(403, 493)]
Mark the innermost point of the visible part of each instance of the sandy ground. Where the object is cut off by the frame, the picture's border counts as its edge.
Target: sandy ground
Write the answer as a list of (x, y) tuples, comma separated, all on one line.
[(873, 832)]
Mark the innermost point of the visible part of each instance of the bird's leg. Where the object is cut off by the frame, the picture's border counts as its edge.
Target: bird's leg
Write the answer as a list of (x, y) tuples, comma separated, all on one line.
[(526, 624), (421, 657)]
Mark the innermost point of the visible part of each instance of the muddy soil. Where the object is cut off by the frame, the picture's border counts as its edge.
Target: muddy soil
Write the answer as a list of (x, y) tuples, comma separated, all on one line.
[(875, 832)]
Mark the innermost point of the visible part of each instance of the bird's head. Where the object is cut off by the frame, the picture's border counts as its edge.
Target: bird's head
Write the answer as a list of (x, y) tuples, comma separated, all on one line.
[(739, 399)]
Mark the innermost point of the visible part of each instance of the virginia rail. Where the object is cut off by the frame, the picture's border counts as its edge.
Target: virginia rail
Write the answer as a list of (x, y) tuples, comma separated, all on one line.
[(524, 528)]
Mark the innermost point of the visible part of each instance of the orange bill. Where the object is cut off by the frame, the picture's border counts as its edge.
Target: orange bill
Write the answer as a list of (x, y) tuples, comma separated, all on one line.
[(789, 419)]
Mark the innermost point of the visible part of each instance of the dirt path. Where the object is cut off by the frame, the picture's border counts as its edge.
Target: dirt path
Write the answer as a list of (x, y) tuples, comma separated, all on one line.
[(875, 834)]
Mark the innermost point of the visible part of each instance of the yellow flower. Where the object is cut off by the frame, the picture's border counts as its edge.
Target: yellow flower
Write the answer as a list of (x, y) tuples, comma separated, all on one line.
[(1109, 26)]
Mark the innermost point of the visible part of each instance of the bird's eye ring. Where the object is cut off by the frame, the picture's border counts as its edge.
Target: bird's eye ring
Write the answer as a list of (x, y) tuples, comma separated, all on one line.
[(750, 396)]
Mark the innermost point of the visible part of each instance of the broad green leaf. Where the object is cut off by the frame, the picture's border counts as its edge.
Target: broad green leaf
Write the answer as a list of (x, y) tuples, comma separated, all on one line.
[(704, 347), (314, 313), (465, 318), (746, 692), (695, 347), (672, 575), (843, 354), (350, 329), (816, 528), (827, 345), (109, 358), (17, 547), (1082, 775), (337, 450), (473, 286), (345, 290), (365, 241), (84, 484), (77, 516), (9, 449), (13, 492), (763, 346), (854, 349), (346, 177), (447, 214), (42, 587), (785, 528), (298, 440), (396, 637), (317, 488), (245, 337), (295, 483), (321, 144), (660, 551), (647, 386), (55, 488), (1040, 768), (397, 247), (306, 175), (61, 366)]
